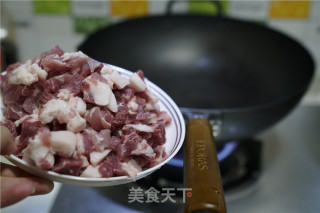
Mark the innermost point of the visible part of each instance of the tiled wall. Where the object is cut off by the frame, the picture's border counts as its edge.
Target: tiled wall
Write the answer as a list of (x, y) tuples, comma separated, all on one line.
[(35, 26)]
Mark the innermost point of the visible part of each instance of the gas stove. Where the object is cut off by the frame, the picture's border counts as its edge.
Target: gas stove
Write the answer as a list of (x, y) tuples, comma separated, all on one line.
[(240, 163), (279, 171)]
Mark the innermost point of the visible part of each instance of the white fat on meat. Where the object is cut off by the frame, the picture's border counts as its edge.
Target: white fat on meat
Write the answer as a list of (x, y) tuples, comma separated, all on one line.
[(31, 118), (52, 110), (76, 124), (131, 168), (159, 150), (97, 157), (27, 74), (63, 143), (102, 94), (164, 117), (132, 105), (113, 106), (107, 77), (39, 153), (80, 144), (41, 73), (78, 104), (64, 94), (26, 156), (66, 115), (65, 112), (145, 149), (100, 91), (119, 80), (139, 127), (91, 172), (152, 106), (137, 83), (106, 69), (85, 161), (20, 121), (68, 56), (152, 98)]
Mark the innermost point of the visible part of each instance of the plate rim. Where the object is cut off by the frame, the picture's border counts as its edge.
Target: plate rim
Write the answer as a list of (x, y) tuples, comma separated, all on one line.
[(88, 181)]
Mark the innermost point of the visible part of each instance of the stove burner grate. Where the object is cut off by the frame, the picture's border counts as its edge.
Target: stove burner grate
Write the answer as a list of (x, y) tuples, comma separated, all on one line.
[(240, 165)]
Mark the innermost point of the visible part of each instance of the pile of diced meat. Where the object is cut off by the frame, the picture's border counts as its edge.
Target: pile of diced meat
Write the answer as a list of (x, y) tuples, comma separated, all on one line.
[(74, 115)]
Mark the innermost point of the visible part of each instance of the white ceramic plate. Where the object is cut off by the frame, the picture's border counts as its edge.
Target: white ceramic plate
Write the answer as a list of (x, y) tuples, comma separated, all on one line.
[(175, 133)]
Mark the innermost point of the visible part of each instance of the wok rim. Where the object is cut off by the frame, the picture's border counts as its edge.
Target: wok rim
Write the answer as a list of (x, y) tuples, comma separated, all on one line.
[(298, 93)]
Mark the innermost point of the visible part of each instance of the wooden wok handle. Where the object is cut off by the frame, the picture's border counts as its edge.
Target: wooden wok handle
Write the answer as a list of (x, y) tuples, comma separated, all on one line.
[(201, 169)]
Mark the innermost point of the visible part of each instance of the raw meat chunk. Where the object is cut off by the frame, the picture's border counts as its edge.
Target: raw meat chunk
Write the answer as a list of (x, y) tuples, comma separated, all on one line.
[(74, 115)]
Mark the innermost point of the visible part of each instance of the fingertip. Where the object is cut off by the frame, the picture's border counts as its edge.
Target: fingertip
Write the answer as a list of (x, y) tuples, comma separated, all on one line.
[(50, 185), (42, 186), (8, 144)]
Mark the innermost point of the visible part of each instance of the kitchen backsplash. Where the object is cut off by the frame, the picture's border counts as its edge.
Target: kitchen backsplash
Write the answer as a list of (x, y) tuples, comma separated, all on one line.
[(35, 26)]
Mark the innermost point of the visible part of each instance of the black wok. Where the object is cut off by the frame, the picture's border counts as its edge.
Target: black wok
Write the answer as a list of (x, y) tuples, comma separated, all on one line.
[(241, 76)]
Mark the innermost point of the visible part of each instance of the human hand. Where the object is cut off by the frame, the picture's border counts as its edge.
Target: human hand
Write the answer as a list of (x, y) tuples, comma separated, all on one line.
[(15, 183)]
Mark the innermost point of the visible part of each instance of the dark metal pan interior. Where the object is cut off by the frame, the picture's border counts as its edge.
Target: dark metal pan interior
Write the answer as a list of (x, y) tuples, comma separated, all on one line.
[(207, 62)]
